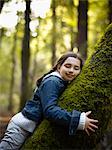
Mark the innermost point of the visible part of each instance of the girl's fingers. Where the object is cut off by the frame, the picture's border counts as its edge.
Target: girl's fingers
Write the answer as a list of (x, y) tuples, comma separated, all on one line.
[(93, 120), (94, 126), (91, 129), (90, 123), (87, 132), (88, 113)]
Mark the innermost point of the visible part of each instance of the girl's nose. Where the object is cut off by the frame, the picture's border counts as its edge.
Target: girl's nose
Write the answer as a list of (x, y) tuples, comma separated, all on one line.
[(71, 70)]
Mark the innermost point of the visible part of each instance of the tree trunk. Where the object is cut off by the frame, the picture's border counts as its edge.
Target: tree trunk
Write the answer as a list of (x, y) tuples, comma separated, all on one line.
[(25, 58), (1, 37), (53, 46), (1, 4), (110, 11), (82, 27), (33, 74), (92, 90), (10, 106), (72, 34)]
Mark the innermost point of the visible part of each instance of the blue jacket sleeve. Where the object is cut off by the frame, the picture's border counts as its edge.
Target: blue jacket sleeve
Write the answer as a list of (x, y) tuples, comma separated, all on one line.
[(49, 94)]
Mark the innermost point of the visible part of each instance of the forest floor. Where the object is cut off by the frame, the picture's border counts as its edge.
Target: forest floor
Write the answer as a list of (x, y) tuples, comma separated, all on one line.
[(4, 119)]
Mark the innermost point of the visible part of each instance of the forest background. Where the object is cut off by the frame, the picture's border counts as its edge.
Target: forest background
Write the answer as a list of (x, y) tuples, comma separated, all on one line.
[(33, 34)]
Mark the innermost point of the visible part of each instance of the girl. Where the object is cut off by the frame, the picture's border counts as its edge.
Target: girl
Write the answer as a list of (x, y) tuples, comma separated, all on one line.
[(44, 104)]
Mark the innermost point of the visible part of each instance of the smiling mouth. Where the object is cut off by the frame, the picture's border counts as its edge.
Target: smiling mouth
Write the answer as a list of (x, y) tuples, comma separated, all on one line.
[(69, 75)]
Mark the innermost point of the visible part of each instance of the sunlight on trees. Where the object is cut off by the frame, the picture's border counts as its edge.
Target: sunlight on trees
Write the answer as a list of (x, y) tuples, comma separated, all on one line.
[(41, 36)]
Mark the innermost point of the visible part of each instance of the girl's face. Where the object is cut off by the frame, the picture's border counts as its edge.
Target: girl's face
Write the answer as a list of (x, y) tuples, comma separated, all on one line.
[(69, 69)]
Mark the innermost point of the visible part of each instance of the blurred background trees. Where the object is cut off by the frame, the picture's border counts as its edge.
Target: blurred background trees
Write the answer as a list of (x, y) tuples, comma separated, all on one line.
[(33, 34)]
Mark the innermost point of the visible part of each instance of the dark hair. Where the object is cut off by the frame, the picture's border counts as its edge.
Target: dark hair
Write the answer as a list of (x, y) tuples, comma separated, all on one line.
[(60, 61)]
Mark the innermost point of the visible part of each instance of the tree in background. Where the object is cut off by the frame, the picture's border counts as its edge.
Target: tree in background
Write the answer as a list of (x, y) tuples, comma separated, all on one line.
[(1, 36), (33, 69), (25, 56), (82, 27), (1, 29), (1, 5), (13, 70), (53, 43), (71, 12), (110, 11)]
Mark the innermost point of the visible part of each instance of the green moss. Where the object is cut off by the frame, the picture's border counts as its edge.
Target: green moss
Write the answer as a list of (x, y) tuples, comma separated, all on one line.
[(90, 91)]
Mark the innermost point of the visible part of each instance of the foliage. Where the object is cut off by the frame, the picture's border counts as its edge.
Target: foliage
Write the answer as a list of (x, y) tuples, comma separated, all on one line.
[(66, 13), (98, 20)]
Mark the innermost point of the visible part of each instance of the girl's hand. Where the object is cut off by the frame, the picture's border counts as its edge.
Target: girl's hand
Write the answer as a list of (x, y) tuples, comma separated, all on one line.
[(90, 124)]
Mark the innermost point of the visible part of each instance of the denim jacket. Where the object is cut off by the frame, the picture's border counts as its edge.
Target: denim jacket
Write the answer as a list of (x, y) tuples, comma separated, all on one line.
[(45, 104)]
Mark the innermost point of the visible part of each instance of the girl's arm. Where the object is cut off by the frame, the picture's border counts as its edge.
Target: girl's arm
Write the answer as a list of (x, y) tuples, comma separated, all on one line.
[(49, 93)]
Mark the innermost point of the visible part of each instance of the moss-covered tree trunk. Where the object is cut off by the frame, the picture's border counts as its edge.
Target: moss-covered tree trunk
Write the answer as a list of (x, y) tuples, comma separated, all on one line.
[(92, 90)]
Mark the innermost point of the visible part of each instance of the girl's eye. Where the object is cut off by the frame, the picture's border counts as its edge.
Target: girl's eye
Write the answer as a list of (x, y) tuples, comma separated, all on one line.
[(67, 66), (76, 68)]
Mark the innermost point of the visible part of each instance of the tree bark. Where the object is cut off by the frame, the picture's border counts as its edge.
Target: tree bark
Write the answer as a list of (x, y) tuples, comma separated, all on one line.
[(1, 4), (82, 27), (1, 37), (110, 11), (53, 46), (92, 90), (25, 56), (13, 54), (72, 34), (33, 73)]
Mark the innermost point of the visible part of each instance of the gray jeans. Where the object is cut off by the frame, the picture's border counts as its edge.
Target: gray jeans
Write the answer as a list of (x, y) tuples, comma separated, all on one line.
[(14, 137)]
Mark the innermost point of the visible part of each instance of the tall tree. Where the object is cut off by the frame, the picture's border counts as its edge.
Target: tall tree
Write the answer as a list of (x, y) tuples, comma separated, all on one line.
[(110, 11), (1, 36), (72, 38), (13, 69), (53, 44), (34, 61), (1, 30), (82, 27), (25, 56), (13, 54), (71, 7), (90, 91), (1, 4)]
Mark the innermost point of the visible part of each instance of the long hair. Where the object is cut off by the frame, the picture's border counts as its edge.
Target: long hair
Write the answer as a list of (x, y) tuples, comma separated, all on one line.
[(60, 61)]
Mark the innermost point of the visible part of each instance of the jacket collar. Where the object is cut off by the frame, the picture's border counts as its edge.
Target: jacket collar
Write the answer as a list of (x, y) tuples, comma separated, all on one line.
[(55, 73)]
